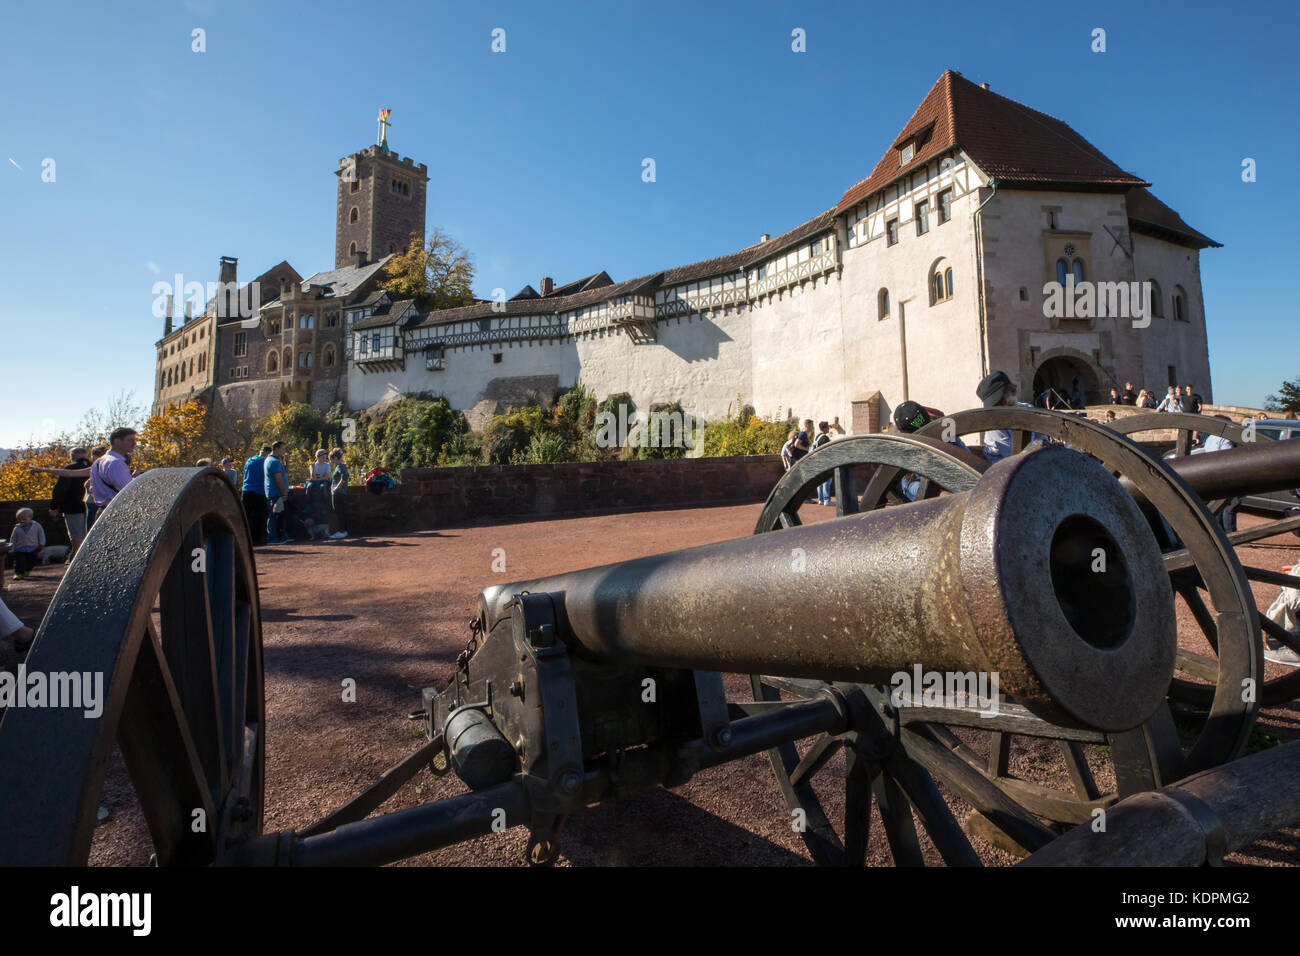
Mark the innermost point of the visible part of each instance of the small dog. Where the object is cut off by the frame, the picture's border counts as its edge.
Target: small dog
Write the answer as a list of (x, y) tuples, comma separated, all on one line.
[(54, 554)]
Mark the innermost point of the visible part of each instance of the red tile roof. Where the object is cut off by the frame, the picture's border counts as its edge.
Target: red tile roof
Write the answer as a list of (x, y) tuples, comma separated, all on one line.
[(1006, 139), (1148, 215)]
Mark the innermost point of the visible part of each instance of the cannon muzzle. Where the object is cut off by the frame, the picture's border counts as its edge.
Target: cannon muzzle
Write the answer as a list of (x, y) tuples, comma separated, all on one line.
[(1045, 575)]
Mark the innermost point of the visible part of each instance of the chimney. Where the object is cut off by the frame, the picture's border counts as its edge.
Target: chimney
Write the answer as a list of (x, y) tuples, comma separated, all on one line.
[(548, 285), (167, 322), (189, 311), (359, 258), (229, 268), (764, 237), (984, 86), (228, 289)]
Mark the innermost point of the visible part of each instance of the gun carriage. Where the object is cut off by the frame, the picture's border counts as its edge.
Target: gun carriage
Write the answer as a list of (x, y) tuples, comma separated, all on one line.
[(548, 710)]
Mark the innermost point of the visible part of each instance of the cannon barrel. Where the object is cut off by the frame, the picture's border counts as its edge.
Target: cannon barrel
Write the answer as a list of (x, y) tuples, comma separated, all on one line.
[(1249, 469), (1045, 574)]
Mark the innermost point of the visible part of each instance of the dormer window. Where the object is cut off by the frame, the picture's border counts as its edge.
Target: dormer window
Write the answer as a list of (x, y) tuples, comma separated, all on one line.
[(906, 154)]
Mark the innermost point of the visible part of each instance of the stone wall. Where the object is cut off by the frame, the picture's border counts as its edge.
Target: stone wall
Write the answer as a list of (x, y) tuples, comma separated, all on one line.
[(438, 497)]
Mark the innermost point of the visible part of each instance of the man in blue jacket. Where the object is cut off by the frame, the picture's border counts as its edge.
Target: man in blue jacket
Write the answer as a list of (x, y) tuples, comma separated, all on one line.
[(254, 494)]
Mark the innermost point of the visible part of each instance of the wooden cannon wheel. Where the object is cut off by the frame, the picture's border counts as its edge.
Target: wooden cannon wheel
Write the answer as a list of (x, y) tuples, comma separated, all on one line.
[(162, 602), (1279, 690), (1143, 759)]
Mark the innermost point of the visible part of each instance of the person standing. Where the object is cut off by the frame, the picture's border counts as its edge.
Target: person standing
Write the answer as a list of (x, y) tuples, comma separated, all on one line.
[(1191, 401), (110, 474), (253, 494), (339, 494), (837, 430), (1171, 402), (823, 438), (997, 389), (228, 468), (1128, 396), (1228, 514), (277, 494), (67, 500), (1115, 397)]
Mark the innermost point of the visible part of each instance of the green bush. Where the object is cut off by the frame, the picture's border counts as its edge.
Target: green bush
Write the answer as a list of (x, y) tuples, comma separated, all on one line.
[(745, 433), (544, 449), (510, 434), (665, 435), (412, 433)]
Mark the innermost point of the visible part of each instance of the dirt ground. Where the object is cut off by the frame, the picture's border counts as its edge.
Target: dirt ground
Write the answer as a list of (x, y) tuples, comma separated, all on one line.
[(392, 614)]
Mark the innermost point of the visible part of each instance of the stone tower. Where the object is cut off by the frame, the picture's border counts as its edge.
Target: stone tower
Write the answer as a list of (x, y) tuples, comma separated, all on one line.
[(381, 202)]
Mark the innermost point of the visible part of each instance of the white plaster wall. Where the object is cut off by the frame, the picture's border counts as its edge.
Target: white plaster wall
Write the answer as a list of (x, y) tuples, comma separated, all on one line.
[(1168, 342)]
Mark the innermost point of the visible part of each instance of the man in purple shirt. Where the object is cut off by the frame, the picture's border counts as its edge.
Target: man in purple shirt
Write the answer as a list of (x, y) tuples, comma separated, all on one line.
[(110, 474)]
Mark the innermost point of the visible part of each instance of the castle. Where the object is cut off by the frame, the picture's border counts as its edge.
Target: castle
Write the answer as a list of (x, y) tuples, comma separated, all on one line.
[(931, 271)]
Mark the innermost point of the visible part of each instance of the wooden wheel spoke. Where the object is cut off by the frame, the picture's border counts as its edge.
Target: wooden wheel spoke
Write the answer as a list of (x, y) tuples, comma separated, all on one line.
[(1085, 785), (1277, 632), (818, 754), (846, 497), (1204, 619), (1200, 666), (160, 754), (976, 789), (896, 815), (789, 519), (939, 822), (188, 646), (857, 807)]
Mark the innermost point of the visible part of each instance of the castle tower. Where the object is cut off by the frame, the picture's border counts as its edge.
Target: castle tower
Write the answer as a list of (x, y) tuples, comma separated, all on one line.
[(380, 203)]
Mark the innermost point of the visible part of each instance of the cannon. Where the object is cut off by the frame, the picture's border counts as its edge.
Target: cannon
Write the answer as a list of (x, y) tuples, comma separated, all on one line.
[(584, 687)]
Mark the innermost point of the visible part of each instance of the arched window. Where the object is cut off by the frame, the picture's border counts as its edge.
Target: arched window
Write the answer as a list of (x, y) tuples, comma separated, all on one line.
[(1180, 305), (882, 304), (940, 281), (1157, 299), (1062, 267), (354, 215), (1078, 271), (306, 321), (273, 361), (182, 371), (304, 360), (352, 249), (327, 357)]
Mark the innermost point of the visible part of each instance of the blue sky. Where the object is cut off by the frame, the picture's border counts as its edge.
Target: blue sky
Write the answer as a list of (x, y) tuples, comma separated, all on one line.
[(173, 158)]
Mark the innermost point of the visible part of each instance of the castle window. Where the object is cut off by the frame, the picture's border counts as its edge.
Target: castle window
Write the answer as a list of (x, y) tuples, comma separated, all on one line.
[(923, 217), (945, 205), (275, 326), (332, 320), (327, 357), (882, 304), (356, 185), (182, 371), (352, 248), (401, 188), (940, 282), (273, 361), (287, 362), (1180, 305), (891, 232), (1062, 267), (304, 360), (433, 360), (306, 321), (906, 153), (354, 215), (241, 344), (1024, 293), (1077, 269), (496, 358), (1157, 300)]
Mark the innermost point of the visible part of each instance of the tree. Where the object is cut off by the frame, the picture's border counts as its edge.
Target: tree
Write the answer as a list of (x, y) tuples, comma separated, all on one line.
[(302, 428), (437, 274), (172, 439), (1287, 398)]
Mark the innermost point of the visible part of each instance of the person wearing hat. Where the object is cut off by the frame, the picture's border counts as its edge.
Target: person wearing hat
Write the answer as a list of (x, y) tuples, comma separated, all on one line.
[(910, 417), (997, 389)]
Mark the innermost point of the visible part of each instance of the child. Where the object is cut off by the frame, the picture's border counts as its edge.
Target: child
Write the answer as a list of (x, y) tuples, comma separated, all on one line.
[(27, 539)]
